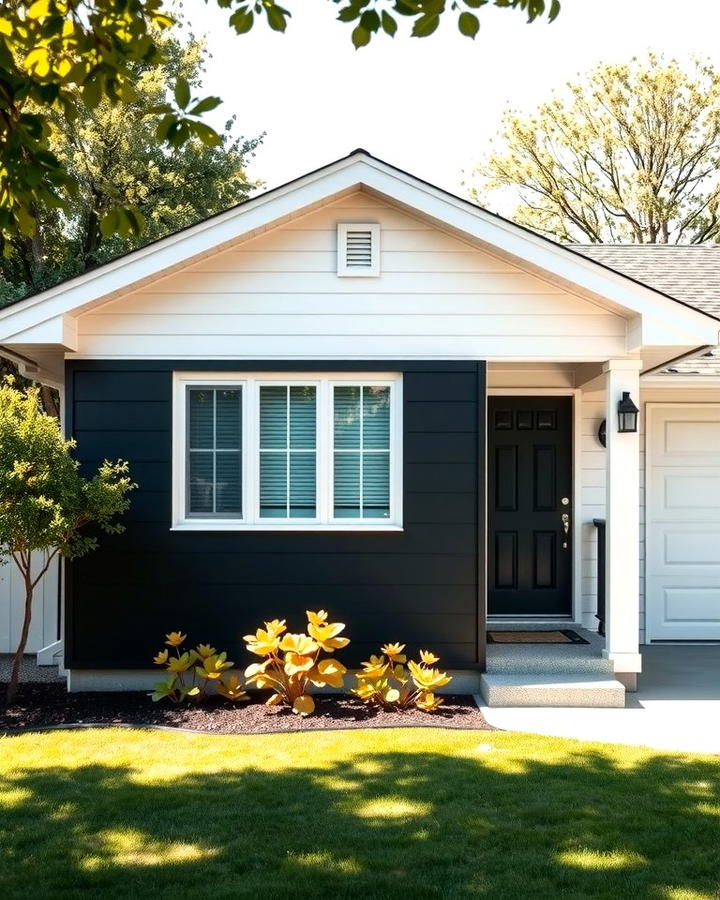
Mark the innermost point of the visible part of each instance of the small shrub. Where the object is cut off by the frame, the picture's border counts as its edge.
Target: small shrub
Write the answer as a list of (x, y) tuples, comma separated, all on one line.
[(192, 673), (386, 681), (292, 661)]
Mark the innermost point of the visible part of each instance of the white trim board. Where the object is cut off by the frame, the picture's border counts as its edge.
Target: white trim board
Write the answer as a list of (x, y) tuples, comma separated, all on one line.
[(680, 325)]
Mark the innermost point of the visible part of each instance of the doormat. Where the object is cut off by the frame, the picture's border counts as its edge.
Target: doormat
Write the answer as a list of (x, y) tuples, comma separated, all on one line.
[(564, 636)]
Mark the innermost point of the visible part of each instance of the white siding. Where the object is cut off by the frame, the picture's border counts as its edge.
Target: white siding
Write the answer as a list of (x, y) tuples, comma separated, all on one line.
[(43, 627), (278, 296), (593, 483)]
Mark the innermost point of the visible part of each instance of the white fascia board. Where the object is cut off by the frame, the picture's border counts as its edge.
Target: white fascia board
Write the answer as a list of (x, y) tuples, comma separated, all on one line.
[(324, 185), (676, 381), (59, 331)]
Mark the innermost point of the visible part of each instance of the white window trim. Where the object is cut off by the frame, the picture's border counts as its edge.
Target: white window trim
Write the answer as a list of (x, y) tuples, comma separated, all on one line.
[(342, 267), (250, 382)]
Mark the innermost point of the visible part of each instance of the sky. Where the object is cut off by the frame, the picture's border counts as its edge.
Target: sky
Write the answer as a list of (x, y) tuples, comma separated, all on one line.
[(430, 106)]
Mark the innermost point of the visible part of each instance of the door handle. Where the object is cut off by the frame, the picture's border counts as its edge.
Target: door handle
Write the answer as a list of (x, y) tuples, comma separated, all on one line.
[(565, 518)]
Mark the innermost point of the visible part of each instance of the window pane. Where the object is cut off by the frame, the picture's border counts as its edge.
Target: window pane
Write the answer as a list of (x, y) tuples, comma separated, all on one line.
[(302, 417), (228, 420), (347, 417), (200, 416), (214, 465), (227, 483), (273, 417), (200, 482), (347, 485), (273, 485), (376, 418), (376, 485), (302, 485)]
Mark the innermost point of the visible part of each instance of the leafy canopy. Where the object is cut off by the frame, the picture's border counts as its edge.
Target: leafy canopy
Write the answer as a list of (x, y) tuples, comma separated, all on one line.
[(58, 56), (113, 156), (44, 501), (631, 154)]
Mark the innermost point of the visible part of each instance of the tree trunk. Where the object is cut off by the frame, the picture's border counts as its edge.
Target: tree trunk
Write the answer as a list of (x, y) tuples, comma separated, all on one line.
[(49, 403), (20, 652)]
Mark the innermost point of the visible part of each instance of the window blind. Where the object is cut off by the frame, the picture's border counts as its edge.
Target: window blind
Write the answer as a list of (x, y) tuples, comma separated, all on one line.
[(288, 451), (214, 452), (361, 450)]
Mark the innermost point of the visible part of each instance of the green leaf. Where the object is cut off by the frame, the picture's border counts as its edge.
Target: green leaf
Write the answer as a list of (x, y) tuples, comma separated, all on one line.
[(205, 105), (182, 92), (206, 134), (348, 14), (242, 20), (388, 23), (468, 24), (109, 223), (425, 25), (360, 37), (554, 10), (277, 17), (370, 20)]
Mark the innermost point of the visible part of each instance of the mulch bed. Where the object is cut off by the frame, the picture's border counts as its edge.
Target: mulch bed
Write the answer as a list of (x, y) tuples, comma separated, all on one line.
[(48, 705)]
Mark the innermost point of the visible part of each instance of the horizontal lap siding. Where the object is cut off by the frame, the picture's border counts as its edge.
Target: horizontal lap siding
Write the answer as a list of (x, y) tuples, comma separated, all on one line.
[(418, 586), (278, 296)]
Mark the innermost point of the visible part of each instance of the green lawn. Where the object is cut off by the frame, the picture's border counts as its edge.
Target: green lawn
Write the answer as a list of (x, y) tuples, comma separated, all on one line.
[(388, 813)]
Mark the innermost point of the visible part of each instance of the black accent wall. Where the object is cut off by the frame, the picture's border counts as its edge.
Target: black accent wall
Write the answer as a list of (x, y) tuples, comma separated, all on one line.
[(424, 586)]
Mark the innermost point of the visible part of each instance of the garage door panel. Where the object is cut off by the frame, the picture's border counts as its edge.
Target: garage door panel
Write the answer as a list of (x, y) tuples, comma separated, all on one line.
[(699, 605), (683, 522)]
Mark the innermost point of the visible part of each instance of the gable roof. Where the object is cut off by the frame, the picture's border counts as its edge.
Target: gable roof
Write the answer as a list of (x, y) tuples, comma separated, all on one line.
[(49, 318), (688, 272)]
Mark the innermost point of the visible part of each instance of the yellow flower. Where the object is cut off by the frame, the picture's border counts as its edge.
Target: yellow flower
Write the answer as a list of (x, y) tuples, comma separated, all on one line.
[(429, 658), (304, 705), (298, 643), (276, 627), (375, 667), (395, 652), (325, 635), (174, 639), (316, 618), (365, 690), (205, 650), (295, 663), (328, 672), (214, 666), (180, 663), (428, 679), (232, 689), (262, 643), (428, 702), (161, 658)]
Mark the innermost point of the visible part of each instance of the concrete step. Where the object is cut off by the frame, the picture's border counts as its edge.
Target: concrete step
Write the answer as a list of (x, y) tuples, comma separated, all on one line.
[(563, 661), (566, 689)]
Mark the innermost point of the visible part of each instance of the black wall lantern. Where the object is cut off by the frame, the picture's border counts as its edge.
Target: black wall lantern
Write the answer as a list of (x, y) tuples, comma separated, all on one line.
[(627, 415), (627, 419)]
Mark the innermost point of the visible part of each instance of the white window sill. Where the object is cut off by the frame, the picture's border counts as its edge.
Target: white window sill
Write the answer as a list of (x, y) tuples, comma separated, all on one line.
[(238, 526)]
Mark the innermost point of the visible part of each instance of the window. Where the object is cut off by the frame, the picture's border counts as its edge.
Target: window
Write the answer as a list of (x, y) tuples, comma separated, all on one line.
[(358, 249), (272, 451)]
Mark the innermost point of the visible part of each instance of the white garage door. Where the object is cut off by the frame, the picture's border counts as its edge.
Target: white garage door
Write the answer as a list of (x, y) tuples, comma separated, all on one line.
[(683, 522)]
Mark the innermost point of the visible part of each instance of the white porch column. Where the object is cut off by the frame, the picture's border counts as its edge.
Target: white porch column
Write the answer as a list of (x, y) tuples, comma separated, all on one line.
[(622, 512)]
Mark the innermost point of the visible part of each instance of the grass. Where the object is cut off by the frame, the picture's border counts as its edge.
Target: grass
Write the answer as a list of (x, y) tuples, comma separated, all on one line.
[(372, 814)]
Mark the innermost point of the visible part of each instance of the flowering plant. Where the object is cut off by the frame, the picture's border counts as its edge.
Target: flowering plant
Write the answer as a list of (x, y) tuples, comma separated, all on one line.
[(386, 681), (292, 661), (192, 673)]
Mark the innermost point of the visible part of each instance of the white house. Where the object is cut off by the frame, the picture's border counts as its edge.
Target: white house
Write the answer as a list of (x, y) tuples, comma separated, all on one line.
[(360, 392)]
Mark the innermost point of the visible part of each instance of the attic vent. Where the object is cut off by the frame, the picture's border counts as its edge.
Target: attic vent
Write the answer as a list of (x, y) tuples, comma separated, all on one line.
[(358, 249)]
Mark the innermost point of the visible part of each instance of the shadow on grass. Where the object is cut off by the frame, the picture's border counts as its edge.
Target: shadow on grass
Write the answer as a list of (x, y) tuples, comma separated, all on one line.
[(484, 823)]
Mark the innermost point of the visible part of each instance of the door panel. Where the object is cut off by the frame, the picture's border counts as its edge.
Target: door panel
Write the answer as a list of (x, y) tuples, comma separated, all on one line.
[(529, 473), (683, 523)]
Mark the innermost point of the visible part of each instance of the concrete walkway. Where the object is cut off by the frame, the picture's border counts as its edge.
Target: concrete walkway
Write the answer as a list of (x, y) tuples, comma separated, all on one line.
[(677, 706)]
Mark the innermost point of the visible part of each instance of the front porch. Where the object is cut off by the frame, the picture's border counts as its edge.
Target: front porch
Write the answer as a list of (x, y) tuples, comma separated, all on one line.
[(544, 674)]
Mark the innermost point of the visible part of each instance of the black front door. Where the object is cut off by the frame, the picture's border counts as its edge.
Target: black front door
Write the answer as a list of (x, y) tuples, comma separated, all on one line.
[(529, 506)]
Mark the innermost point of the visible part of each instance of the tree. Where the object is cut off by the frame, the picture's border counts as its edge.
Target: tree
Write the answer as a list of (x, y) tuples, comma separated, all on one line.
[(114, 158), (46, 506), (631, 154), (60, 56)]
